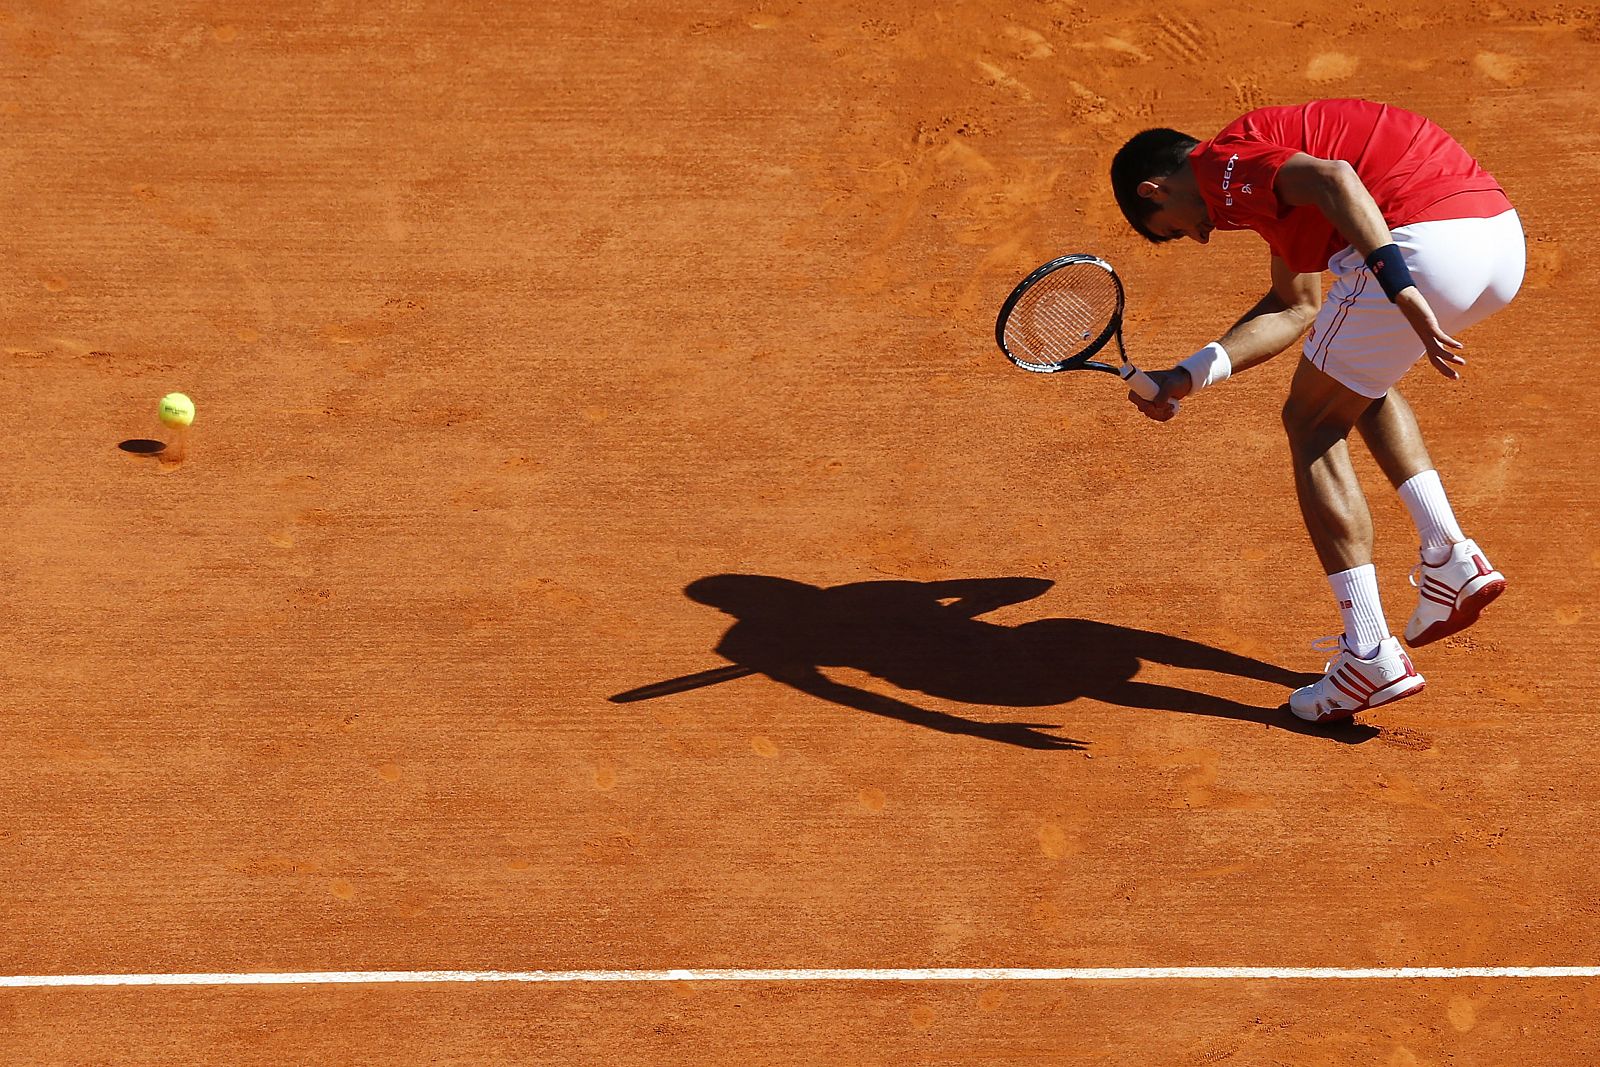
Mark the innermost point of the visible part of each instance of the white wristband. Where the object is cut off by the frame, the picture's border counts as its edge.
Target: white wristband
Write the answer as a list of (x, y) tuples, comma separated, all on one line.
[(1208, 366)]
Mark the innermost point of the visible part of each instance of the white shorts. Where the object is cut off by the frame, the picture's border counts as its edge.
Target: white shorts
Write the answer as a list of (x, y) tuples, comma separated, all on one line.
[(1467, 268)]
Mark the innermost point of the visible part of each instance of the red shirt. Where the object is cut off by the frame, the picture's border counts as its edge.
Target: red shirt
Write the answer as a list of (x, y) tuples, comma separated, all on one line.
[(1414, 170)]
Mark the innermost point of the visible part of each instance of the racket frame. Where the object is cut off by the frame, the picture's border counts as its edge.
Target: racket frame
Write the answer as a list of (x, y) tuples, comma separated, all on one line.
[(1081, 360)]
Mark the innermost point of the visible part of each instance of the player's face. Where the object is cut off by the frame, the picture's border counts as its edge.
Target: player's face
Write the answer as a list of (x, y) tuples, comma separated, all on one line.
[(1183, 214)]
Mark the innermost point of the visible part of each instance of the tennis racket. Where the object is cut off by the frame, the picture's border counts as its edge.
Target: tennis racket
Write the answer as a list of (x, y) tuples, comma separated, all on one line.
[(1061, 315)]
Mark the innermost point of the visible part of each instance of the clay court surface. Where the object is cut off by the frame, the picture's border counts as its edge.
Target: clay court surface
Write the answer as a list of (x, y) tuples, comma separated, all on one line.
[(548, 353)]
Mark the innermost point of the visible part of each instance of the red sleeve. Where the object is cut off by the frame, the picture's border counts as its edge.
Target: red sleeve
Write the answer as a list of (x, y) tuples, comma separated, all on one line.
[(1236, 178)]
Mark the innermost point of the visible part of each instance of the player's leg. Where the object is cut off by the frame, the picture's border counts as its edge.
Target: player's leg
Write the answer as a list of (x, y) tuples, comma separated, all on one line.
[(1370, 668), (1454, 579), (1469, 269), (1390, 430), (1318, 417)]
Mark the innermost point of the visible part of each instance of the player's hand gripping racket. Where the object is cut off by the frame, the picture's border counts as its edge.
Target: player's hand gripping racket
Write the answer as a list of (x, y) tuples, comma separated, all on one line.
[(1061, 315)]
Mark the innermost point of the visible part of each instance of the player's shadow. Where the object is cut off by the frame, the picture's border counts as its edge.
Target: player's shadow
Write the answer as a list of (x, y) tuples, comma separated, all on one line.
[(925, 637)]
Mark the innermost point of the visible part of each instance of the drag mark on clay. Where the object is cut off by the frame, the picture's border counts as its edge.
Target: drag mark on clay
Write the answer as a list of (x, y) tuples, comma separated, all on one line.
[(1199, 785), (1331, 67), (1031, 44), (999, 77)]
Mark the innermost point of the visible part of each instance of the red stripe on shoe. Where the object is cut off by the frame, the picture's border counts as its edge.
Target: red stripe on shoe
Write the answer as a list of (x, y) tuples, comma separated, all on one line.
[(1344, 688), (1358, 681)]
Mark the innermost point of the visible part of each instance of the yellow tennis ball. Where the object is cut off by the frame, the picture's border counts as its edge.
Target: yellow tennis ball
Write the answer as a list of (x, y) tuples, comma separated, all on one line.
[(177, 409)]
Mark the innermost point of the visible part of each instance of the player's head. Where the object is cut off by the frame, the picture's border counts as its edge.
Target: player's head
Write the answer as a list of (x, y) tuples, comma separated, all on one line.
[(747, 596), (1156, 189)]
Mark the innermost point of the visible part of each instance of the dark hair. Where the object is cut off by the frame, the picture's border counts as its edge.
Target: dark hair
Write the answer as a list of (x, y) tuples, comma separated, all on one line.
[(1155, 153)]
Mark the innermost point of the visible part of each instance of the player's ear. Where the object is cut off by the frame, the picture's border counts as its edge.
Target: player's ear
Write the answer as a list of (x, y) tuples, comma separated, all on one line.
[(1153, 189)]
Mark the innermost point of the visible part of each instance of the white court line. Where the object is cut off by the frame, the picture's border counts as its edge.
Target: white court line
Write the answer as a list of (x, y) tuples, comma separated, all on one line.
[(901, 974)]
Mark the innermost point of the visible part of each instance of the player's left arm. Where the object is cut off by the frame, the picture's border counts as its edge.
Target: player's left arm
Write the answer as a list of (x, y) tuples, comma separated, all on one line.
[(1334, 188)]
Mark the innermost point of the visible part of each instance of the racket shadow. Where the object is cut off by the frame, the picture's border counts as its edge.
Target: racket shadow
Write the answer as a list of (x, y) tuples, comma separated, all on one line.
[(926, 637)]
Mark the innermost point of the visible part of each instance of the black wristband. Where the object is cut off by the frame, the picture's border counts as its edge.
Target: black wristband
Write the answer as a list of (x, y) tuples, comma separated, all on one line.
[(1389, 267)]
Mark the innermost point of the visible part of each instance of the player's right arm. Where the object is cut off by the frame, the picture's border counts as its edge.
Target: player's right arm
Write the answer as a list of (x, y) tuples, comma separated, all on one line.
[(1277, 321)]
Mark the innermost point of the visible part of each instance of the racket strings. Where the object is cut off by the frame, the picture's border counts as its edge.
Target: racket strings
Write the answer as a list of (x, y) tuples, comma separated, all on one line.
[(1063, 315)]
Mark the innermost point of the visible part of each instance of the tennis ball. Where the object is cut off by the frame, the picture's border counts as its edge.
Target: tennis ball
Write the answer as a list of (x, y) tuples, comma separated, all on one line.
[(176, 409)]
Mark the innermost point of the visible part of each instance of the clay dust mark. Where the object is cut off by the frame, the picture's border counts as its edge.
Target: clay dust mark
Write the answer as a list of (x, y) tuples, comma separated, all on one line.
[(1489, 481), (1090, 105), (519, 865), (1517, 697), (1115, 45), (1331, 67), (1200, 784), (1030, 44), (763, 747), (54, 283), (998, 76), (390, 772), (280, 539), (1402, 791), (872, 800), (224, 34), (1055, 843), (1462, 1015), (605, 779), (1568, 615), (342, 889), (1506, 70)]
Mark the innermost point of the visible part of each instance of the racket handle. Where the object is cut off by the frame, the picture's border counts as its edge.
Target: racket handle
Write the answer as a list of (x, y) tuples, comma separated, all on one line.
[(1142, 383)]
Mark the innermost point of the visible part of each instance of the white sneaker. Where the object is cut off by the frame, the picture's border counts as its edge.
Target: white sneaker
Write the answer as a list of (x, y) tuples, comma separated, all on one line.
[(1452, 594), (1352, 685)]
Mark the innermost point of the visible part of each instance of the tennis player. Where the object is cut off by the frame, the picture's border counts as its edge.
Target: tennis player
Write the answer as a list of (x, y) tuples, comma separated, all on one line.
[(1422, 243)]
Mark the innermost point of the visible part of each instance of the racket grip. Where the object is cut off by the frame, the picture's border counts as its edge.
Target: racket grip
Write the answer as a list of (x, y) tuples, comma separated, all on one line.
[(1142, 383)]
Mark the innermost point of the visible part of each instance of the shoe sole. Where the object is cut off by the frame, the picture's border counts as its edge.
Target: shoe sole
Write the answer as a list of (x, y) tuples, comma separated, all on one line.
[(1340, 715), (1463, 616)]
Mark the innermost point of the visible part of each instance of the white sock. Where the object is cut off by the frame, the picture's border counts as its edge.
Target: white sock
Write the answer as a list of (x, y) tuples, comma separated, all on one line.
[(1356, 590), (1423, 496)]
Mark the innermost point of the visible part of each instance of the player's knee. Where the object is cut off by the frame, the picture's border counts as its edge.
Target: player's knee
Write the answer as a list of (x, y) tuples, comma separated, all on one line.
[(1311, 430)]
